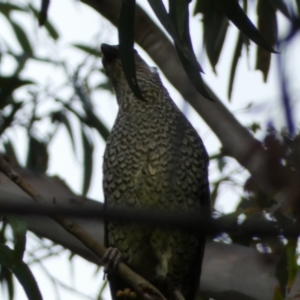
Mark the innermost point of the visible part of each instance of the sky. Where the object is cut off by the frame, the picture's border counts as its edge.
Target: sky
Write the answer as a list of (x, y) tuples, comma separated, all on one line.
[(77, 23)]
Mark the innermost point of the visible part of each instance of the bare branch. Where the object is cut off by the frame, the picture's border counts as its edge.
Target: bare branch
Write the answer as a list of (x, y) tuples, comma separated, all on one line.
[(6, 169)]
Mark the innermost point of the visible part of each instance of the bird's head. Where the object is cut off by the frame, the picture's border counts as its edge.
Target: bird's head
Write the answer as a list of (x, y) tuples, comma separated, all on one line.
[(147, 77)]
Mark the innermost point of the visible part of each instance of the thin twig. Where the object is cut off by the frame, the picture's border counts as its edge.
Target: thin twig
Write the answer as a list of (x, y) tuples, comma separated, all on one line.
[(17, 179)]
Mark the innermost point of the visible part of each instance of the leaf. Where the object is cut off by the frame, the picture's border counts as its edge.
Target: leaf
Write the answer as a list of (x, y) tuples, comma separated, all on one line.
[(44, 12), (104, 85), (194, 76), (7, 121), (37, 157), (91, 120), (88, 149), (22, 38), (267, 24), (221, 163), (46, 23), (6, 8), (298, 6), (277, 294), (21, 271), (235, 13), (19, 228), (126, 42), (62, 118), (215, 26), (281, 273), (236, 57), (8, 85), (88, 50), (214, 38), (102, 289), (214, 193), (183, 43), (161, 13), (177, 11), (95, 122), (292, 266), (281, 6), (7, 280), (179, 16), (10, 151)]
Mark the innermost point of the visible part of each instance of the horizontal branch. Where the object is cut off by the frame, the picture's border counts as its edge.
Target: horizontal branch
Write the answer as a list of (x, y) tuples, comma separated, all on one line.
[(187, 221)]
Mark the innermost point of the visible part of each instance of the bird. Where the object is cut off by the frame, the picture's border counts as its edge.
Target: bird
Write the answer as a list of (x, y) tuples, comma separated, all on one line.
[(154, 159)]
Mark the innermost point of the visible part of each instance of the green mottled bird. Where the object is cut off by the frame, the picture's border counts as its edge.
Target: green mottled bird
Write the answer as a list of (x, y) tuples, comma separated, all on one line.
[(154, 159)]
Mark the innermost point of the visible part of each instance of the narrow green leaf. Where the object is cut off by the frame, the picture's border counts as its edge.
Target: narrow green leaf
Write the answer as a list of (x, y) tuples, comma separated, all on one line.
[(277, 293), (6, 8), (94, 121), (214, 193), (45, 22), (7, 281), (62, 118), (90, 120), (19, 227), (21, 271), (102, 289), (104, 85), (178, 14), (236, 56), (267, 24), (183, 45), (88, 50), (235, 13), (67, 123), (10, 285), (281, 6), (10, 151), (181, 24), (51, 30), (298, 6), (88, 149), (46, 60), (215, 26), (8, 84), (194, 76), (126, 42), (8, 120), (292, 265), (281, 273), (37, 157), (44, 12), (161, 13), (201, 6), (22, 38)]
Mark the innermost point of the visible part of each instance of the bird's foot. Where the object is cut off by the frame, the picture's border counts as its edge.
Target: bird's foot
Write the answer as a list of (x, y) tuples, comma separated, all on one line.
[(126, 294), (110, 260)]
